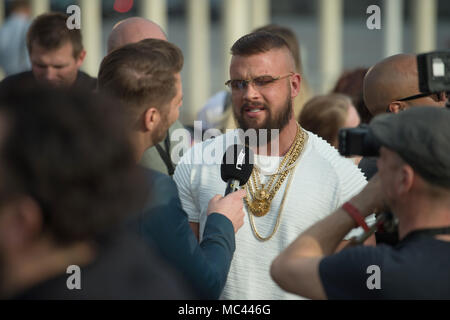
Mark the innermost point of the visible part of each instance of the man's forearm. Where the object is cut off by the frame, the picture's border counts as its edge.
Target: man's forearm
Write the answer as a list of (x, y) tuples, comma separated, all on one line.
[(296, 269), (324, 237)]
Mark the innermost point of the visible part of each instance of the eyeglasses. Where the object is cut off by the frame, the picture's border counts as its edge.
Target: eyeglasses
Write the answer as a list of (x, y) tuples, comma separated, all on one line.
[(259, 82)]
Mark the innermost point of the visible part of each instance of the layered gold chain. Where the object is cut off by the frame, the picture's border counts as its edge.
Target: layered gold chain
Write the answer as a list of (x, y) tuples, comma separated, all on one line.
[(259, 196), (280, 211)]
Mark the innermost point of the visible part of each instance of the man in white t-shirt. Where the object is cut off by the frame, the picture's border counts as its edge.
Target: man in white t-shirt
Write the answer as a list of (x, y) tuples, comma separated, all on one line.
[(297, 179)]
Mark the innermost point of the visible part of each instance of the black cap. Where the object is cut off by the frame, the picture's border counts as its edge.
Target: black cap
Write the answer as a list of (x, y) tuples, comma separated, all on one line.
[(421, 137), (237, 163)]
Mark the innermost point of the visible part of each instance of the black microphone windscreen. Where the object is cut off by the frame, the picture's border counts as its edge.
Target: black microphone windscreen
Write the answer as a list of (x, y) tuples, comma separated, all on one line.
[(237, 163)]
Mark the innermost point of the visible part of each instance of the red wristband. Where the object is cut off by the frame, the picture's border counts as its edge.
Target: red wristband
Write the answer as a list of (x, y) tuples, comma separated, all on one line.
[(356, 215)]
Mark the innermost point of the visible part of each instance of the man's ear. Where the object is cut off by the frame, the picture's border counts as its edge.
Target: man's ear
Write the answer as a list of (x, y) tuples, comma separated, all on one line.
[(81, 58), (397, 106), (296, 80), (24, 221), (152, 117), (405, 179)]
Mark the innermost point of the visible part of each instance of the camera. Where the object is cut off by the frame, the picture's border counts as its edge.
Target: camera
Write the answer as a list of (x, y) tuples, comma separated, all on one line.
[(434, 77), (358, 141), (434, 72)]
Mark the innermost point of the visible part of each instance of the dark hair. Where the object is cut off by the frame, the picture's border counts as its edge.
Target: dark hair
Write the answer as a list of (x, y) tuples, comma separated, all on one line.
[(351, 84), (291, 39), (325, 115), (69, 152), (142, 74), (258, 42), (50, 31)]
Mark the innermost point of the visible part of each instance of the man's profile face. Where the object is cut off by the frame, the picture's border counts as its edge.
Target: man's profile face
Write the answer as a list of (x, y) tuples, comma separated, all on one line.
[(58, 67), (170, 112), (262, 107), (389, 166)]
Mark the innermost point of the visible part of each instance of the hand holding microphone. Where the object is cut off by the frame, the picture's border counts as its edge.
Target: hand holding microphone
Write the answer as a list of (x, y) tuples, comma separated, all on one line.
[(237, 166)]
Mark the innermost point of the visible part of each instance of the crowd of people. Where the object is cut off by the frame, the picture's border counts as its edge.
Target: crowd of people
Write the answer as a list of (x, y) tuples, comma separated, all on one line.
[(88, 177)]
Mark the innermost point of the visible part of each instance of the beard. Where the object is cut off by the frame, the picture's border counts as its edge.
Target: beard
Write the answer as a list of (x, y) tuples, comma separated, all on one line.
[(160, 133), (277, 120)]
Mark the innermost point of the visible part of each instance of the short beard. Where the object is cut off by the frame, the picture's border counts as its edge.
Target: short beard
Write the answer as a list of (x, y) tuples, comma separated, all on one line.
[(161, 132), (278, 122)]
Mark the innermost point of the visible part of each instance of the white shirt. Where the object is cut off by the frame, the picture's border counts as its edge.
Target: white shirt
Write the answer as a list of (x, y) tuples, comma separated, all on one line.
[(322, 181)]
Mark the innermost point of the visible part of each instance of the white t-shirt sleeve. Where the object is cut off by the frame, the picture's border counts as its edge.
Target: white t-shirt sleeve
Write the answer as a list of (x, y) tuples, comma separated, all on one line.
[(352, 181), (183, 179)]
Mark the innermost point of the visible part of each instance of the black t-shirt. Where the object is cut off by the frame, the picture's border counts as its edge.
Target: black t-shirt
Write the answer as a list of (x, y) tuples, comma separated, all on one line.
[(124, 268), (417, 268)]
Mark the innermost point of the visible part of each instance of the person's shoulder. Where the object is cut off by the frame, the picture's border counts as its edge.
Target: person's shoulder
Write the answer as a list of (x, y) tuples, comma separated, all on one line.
[(320, 151), (158, 180), (85, 81), (216, 144), (343, 171), (84, 75), (20, 81), (123, 257), (25, 75), (319, 148), (219, 140)]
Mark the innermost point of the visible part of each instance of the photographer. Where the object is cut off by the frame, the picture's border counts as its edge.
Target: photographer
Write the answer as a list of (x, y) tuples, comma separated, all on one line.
[(414, 181)]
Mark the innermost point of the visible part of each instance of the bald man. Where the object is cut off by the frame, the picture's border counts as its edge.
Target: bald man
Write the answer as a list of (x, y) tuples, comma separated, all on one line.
[(133, 30), (392, 85)]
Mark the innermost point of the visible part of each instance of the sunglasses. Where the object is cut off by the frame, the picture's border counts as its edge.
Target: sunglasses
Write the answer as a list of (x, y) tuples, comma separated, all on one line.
[(440, 96), (435, 96)]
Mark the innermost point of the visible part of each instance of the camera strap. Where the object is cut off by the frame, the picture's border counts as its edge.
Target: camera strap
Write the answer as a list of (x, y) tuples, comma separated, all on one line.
[(165, 155)]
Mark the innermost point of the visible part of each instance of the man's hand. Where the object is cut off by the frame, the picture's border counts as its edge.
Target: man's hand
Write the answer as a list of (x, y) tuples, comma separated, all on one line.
[(230, 206), (371, 199)]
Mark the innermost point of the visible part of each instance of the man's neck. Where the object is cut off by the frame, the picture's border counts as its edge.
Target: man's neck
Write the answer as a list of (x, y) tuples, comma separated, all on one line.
[(42, 262), (422, 213), (280, 144), (140, 145)]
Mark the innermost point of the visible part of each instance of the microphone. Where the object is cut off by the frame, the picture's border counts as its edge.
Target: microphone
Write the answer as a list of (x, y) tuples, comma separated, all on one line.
[(237, 166)]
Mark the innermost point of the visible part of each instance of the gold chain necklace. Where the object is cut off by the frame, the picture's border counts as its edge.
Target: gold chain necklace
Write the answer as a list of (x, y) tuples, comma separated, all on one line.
[(259, 199), (252, 222)]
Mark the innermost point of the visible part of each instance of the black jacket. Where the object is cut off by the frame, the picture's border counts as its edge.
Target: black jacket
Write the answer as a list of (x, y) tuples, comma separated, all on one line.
[(26, 80)]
